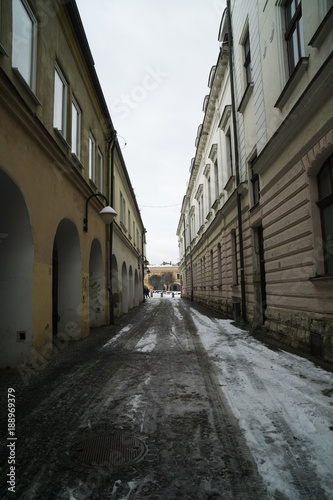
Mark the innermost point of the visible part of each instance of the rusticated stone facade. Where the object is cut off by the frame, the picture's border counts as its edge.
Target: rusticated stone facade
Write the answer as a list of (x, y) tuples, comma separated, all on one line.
[(255, 231)]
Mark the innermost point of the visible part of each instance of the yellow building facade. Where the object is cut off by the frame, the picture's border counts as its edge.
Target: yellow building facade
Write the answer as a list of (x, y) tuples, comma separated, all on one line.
[(58, 148)]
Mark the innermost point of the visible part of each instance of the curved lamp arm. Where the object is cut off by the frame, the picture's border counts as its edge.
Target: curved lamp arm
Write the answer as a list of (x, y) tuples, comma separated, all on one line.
[(107, 213)]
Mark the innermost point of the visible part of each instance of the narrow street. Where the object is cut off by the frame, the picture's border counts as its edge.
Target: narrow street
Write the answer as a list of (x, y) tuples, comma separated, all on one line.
[(171, 402)]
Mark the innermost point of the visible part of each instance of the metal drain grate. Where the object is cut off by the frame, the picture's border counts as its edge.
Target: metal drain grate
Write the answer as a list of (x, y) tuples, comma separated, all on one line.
[(105, 450)]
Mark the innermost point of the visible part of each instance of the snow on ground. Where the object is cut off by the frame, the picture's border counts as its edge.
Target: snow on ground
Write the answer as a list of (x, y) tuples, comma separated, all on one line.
[(284, 404)]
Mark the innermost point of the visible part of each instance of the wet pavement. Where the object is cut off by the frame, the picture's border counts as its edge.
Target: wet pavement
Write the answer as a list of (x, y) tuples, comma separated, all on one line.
[(135, 411)]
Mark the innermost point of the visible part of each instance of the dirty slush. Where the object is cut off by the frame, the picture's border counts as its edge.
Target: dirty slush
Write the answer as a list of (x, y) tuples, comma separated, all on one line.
[(134, 411)]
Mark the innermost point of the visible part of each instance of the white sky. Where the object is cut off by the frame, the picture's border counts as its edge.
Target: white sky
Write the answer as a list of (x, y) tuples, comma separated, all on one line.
[(153, 59), (283, 402)]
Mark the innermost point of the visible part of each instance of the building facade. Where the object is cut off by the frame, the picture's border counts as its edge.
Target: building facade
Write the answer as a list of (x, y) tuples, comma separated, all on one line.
[(58, 149), (163, 277), (269, 260)]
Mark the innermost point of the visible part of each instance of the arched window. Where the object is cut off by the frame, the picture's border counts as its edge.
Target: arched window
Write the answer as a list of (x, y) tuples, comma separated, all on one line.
[(325, 204)]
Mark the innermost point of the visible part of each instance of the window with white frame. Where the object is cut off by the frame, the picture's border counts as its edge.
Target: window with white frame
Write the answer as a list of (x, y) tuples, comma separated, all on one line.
[(129, 224), (60, 101), (76, 128), (294, 32), (100, 170), (122, 209), (24, 41), (92, 157)]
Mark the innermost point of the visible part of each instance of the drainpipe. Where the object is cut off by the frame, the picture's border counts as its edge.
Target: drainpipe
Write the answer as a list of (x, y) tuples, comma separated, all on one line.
[(110, 150), (238, 195)]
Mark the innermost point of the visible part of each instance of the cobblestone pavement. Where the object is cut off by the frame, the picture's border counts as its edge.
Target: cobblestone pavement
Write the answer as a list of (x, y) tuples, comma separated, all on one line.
[(146, 386)]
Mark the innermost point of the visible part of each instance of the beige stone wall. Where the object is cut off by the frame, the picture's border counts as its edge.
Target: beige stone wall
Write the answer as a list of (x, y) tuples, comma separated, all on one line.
[(51, 186)]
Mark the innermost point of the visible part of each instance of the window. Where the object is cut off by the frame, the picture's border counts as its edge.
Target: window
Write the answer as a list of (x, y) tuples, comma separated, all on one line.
[(294, 32), (60, 101), (216, 177), (122, 209), (229, 153), (209, 193), (247, 59), (92, 157), (76, 128), (129, 224), (100, 170), (24, 41), (234, 257), (325, 204), (219, 264), (255, 187), (212, 269)]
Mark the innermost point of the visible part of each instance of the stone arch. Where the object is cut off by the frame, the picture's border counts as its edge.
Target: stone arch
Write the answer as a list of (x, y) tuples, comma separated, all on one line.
[(16, 273), (124, 280), (66, 282), (136, 289), (130, 288), (116, 300)]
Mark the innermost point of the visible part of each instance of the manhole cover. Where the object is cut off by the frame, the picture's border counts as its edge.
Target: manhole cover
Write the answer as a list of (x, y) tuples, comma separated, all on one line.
[(105, 450)]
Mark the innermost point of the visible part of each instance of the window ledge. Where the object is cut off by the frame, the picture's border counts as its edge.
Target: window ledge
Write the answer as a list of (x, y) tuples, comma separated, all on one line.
[(26, 87), (328, 277), (77, 161), (255, 207), (245, 98), (3, 51), (229, 182), (294, 79), (209, 215), (323, 30), (63, 140)]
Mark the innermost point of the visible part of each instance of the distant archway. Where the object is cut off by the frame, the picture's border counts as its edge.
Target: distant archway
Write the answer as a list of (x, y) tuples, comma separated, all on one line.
[(16, 271)]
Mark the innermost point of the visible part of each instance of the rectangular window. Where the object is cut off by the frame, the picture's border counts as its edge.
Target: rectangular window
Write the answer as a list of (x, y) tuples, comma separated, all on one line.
[(229, 153), (325, 204), (234, 257), (209, 193), (76, 128), (129, 224), (212, 268), (216, 176), (294, 32), (219, 264), (255, 187), (92, 157), (247, 59), (60, 101), (24, 41), (100, 171), (122, 210)]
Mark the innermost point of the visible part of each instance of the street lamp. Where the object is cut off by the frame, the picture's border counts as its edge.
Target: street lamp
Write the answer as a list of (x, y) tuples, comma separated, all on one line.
[(107, 213)]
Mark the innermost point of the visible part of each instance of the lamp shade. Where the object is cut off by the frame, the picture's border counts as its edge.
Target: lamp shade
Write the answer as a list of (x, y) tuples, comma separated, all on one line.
[(108, 214)]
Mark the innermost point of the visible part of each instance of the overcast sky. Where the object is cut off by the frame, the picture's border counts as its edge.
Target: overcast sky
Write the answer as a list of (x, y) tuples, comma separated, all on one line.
[(153, 59)]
